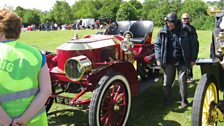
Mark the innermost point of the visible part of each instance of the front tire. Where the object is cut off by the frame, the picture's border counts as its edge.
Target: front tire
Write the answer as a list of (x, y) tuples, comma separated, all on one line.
[(111, 101), (206, 95)]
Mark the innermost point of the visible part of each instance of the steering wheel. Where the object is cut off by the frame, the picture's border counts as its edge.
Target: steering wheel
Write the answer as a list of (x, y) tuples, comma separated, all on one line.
[(128, 33), (113, 26)]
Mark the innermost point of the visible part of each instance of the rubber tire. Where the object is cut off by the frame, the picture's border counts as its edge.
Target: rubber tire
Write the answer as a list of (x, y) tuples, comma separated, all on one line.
[(98, 93), (197, 109)]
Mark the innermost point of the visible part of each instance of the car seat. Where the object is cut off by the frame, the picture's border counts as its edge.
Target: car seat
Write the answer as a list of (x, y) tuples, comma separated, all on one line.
[(141, 30)]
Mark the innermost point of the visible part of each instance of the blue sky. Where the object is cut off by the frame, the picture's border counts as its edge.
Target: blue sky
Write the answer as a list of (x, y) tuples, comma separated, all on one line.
[(39, 4)]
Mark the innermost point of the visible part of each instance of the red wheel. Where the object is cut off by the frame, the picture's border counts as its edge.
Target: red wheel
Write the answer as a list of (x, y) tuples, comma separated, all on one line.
[(111, 102)]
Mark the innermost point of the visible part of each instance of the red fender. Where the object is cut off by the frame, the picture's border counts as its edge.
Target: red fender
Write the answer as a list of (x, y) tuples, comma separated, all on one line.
[(125, 68)]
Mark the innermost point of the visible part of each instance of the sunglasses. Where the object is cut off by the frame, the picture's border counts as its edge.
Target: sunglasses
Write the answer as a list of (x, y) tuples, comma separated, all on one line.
[(186, 18)]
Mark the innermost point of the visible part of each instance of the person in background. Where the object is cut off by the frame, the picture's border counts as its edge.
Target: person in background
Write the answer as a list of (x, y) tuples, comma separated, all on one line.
[(173, 47), (25, 81), (186, 23)]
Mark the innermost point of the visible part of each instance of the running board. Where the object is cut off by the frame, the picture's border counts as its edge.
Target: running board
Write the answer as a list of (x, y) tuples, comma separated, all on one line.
[(143, 85)]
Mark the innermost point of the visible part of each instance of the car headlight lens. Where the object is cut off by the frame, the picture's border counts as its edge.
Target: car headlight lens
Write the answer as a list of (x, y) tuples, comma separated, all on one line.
[(77, 67)]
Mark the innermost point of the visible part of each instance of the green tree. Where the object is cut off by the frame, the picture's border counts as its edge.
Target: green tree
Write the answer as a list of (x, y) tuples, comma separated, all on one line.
[(47, 16), (31, 17), (221, 4), (197, 9), (126, 12), (86, 9), (138, 6), (194, 7), (109, 8), (98, 4), (19, 11), (62, 12), (157, 10)]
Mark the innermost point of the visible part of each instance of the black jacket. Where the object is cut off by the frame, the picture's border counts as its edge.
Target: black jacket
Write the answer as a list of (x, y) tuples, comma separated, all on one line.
[(188, 42)]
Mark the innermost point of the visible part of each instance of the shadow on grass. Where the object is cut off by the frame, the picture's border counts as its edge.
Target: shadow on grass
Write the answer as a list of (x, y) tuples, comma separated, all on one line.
[(148, 109), (68, 117)]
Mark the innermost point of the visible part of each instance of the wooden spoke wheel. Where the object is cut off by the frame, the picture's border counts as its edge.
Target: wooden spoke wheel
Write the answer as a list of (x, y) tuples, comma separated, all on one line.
[(206, 96), (111, 102)]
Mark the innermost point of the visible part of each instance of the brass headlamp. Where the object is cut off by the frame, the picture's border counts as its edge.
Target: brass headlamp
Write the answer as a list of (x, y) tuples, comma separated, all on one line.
[(220, 43), (77, 67), (127, 44)]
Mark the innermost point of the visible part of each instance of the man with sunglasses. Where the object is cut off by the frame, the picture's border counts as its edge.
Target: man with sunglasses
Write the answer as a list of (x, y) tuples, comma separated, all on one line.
[(186, 23)]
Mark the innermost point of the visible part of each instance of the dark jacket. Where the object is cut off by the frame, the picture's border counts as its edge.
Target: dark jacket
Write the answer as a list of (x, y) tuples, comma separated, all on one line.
[(188, 42), (190, 29)]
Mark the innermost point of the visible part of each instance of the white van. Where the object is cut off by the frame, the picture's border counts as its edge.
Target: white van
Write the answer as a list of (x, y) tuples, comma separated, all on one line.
[(87, 22)]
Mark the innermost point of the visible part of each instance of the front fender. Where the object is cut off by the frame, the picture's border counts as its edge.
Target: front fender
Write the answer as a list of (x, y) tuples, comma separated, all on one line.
[(213, 68), (125, 68)]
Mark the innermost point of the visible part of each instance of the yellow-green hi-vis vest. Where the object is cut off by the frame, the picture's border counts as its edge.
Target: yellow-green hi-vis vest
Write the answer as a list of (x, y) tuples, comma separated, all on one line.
[(19, 69)]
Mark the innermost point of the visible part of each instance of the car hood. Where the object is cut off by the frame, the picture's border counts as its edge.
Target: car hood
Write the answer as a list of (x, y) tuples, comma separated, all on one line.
[(92, 42)]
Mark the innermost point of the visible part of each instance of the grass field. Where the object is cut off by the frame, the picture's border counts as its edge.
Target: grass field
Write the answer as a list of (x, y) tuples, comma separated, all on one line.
[(147, 108)]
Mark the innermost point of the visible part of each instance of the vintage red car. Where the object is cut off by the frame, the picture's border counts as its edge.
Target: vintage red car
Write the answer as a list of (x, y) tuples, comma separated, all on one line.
[(114, 66)]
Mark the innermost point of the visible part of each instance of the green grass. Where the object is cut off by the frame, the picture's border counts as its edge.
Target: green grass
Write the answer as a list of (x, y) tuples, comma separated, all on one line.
[(51, 40), (147, 108)]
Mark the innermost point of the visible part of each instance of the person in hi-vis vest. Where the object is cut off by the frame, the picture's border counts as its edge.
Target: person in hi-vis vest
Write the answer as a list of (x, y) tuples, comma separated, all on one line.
[(24, 78)]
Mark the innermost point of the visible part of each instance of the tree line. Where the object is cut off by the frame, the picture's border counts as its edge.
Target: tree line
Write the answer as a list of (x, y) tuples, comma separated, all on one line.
[(155, 10)]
